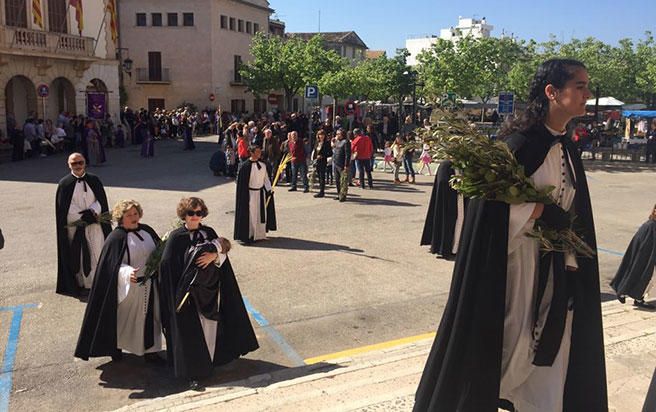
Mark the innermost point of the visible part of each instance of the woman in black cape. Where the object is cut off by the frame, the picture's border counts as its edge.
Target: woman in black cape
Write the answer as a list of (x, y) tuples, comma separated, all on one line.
[(635, 275), (123, 310), (522, 329), (196, 343)]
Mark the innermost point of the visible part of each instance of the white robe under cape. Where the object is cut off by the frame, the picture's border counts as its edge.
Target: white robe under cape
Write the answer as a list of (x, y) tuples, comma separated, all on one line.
[(533, 388), (133, 299), (259, 178), (80, 201)]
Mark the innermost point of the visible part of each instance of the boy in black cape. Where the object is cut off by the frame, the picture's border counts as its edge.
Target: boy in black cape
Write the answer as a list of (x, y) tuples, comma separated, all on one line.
[(560, 363), (253, 217), (76, 255), (635, 274), (184, 326), (443, 214)]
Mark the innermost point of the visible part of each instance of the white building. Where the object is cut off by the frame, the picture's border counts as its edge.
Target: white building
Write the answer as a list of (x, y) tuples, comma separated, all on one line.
[(54, 52), (466, 27), (416, 46)]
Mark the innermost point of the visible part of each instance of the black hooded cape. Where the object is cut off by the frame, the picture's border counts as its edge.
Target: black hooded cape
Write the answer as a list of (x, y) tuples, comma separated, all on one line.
[(185, 342), (98, 332), (242, 217), (442, 213), (463, 370), (637, 267), (66, 283)]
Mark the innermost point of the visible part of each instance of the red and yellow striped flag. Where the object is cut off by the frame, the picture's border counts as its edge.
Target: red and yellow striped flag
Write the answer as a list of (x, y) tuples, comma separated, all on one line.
[(79, 17), (36, 12), (111, 9)]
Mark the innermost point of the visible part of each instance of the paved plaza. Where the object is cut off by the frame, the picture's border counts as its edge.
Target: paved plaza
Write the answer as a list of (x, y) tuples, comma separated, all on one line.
[(334, 277)]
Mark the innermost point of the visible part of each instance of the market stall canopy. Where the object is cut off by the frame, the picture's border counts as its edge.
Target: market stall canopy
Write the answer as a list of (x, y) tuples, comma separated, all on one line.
[(639, 113), (605, 102), (634, 106)]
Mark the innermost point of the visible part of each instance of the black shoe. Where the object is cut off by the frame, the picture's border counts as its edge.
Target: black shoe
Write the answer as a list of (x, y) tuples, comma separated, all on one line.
[(195, 386), (306, 190), (342, 200), (117, 356), (621, 298), (319, 195), (644, 305), (293, 189)]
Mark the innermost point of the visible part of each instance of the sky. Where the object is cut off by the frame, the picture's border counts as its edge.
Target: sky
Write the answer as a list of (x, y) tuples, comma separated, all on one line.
[(385, 24)]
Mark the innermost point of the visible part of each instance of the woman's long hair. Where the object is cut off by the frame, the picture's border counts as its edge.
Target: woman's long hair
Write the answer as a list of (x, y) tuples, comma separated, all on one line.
[(556, 72)]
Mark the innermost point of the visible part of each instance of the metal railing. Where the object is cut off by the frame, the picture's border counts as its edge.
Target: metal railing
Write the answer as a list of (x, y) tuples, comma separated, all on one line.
[(43, 41), (146, 75)]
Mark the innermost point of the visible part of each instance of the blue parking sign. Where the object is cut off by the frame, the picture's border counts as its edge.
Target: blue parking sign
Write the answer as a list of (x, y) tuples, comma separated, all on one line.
[(506, 103), (311, 92)]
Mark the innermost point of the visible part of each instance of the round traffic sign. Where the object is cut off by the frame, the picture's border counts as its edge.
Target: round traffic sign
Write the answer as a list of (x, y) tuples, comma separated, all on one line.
[(43, 90)]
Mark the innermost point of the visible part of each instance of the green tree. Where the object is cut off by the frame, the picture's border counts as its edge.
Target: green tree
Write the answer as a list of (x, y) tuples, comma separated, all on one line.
[(287, 64)]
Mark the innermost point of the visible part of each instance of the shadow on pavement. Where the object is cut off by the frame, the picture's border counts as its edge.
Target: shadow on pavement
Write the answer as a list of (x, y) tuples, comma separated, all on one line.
[(380, 202), (150, 382), (171, 168), (153, 381), (618, 166), (288, 243)]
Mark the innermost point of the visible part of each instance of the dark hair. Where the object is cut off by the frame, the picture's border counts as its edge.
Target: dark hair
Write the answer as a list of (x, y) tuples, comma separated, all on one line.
[(253, 147), (190, 203), (556, 72)]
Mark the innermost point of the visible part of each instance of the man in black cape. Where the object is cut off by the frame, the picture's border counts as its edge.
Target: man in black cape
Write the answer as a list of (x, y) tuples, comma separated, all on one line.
[(440, 227), (98, 333), (634, 276), (185, 342), (74, 255), (253, 216), (463, 370)]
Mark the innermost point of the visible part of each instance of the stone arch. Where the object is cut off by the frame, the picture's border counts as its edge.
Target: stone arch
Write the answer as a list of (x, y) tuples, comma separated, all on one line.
[(96, 85), (62, 97), (20, 98)]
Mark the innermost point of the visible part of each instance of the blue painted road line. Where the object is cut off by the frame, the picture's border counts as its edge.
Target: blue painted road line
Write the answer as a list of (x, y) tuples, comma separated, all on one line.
[(274, 335), (10, 353), (610, 252)]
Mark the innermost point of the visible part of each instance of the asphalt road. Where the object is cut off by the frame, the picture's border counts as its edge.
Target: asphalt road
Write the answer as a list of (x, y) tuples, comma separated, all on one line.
[(335, 276)]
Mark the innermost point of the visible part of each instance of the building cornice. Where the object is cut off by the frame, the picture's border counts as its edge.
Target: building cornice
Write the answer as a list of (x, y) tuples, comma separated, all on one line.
[(248, 3)]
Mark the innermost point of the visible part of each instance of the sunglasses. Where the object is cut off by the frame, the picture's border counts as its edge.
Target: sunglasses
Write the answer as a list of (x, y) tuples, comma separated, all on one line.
[(78, 163), (198, 213)]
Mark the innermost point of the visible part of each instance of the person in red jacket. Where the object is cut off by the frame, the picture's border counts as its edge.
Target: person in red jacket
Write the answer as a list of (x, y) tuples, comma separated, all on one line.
[(298, 162), (363, 149)]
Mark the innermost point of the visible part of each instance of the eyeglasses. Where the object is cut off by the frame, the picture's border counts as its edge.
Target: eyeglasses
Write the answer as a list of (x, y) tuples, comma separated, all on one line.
[(198, 213), (78, 163)]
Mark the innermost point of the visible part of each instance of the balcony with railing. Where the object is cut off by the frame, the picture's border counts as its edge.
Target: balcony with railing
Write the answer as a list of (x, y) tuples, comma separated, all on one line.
[(156, 76), (61, 44)]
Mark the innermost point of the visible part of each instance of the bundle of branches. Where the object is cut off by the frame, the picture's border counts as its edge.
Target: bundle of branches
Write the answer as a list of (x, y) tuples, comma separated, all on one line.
[(104, 217), (487, 169), (152, 264)]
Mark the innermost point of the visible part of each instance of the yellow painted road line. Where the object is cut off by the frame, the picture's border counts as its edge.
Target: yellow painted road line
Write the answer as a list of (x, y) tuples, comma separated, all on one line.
[(369, 348)]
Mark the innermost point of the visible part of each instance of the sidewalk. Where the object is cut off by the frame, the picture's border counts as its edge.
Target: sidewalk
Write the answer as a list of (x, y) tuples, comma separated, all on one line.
[(385, 380)]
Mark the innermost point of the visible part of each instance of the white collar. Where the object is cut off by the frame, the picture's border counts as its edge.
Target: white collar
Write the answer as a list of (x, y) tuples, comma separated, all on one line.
[(554, 132), (79, 177)]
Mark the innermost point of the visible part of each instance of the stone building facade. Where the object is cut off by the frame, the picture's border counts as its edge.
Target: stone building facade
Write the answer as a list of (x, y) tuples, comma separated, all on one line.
[(190, 52), (58, 56)]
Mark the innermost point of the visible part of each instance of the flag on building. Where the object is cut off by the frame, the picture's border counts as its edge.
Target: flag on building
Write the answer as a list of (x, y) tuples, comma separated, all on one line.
[(36, 12), (111, 9), (79, 17)]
